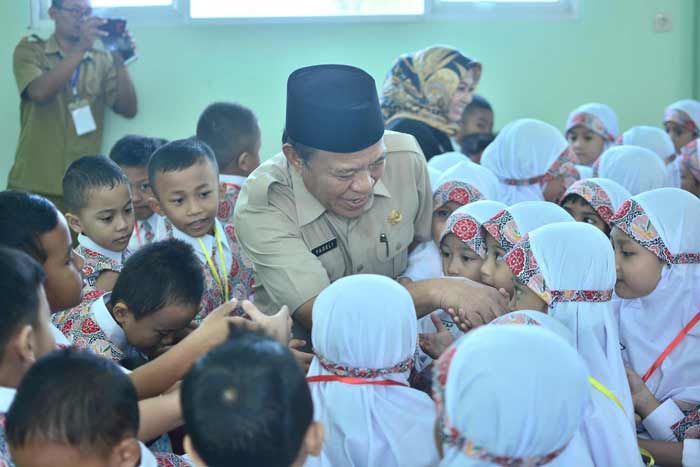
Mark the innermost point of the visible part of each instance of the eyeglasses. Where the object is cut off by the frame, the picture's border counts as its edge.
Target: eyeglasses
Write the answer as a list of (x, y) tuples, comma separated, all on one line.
[(76, 12)]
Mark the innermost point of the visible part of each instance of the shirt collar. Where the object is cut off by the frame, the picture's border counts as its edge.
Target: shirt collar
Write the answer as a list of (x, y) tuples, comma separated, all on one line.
[(308, 207), (115, 334), (7, 395), (234, 179), (52, 48), (86, 242)]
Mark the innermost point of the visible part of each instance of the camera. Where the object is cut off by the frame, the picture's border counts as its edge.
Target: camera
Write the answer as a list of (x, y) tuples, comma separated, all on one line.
[(116, 39)]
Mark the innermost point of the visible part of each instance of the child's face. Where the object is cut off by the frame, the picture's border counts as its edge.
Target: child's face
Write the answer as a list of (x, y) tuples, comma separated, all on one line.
[(64, 281), (108, 219), (477, 120), (458, 260), (525, 299), (45, 453), (679, 134), (689, 183), (587, 144), (581, 211), (554, 189), (638, 269), (494, 270), (189, 198), (440, 216), (140, 190), (157, 330)]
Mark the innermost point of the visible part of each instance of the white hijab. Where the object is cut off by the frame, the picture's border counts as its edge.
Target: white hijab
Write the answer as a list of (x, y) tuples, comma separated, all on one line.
[(510, 225), (523, 151), (474, 174), (514, 391), (690, 107), (586, 283), (667, 218), (599, 118), (369, 322), (442, 162), (635, 168), (658, 141), (604, 195)]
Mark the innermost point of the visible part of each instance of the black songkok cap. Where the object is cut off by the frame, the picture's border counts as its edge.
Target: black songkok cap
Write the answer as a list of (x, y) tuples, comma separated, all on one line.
[(333, 108)]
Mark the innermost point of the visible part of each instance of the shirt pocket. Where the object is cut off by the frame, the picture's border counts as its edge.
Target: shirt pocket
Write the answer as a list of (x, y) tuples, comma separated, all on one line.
[(392, 248)]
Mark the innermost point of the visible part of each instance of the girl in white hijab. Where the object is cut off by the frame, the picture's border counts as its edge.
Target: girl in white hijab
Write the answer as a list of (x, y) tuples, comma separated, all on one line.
[(509, 396), (591, 129), (532, 161), (594, 201), (656, 236), (552, 276), (459, 185), (659, 142), (635, 168), (364, 339), (682, 121)]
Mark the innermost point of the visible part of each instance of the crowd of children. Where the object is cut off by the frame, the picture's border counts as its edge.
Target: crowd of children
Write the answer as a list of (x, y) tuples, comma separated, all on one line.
[(135, 343)]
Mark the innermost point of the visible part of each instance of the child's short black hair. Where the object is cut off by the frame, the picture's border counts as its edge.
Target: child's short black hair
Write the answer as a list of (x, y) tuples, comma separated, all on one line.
[(76, 398), (173, 272), (135, 150), (89, 173), (24, 217), (229, 129), (478, 102), (178, 155), (19, 288), (247, 403)]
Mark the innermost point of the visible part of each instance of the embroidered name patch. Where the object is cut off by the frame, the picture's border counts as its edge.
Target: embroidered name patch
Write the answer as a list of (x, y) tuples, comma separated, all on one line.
[(326, 247)]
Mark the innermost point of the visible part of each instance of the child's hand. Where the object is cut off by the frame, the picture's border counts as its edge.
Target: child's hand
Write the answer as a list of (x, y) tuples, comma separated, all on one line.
[(278, 326), (644, 401), (434, 344), (302, 358)]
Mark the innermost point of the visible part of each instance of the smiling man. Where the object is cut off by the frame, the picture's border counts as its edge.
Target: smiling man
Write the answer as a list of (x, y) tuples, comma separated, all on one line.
[(65, 84), (343, 197)]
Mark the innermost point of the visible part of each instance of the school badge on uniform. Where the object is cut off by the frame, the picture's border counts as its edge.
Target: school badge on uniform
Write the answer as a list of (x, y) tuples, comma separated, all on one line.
[(394, 217)]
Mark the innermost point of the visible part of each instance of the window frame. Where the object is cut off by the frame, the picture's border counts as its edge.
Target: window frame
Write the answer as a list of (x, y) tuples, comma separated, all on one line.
[(435, 10)]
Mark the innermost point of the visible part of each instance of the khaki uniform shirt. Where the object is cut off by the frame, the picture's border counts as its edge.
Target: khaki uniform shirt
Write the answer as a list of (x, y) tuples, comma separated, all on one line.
[(298, 248), (48, 142)]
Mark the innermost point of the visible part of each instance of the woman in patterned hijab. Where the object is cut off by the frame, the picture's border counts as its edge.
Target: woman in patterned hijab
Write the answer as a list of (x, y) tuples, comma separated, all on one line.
[(425, 94)]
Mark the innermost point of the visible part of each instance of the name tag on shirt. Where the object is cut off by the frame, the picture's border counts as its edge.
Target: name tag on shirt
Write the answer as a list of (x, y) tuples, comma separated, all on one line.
[(326, 247), (83, 120)]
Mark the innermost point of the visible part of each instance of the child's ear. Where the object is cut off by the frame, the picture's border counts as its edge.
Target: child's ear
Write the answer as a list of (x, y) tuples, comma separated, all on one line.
[(154, 204), (126, 454), (313, 439), (189, 450), (74, 223), (22, 345), (121, 313)]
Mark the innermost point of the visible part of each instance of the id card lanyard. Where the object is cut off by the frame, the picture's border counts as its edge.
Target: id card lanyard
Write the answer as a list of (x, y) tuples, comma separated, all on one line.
[(220, 275)]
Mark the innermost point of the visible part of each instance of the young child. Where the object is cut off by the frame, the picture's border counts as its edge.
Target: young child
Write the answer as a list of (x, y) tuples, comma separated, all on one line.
[(131, 154), (551, 276), (136, 319), (656, 236), (594, 201), (532, 161), (590, 130), (690, 168), (484, 420), (95, 423), (659, 142), (459, 185), (246, 403), (184, 178), (233, 134), (98, 203), (364, 339), (635, 168), (505, 229), (682, 121)]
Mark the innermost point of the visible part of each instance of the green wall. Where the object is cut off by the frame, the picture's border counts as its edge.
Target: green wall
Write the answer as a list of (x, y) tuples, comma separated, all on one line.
[(539, 69)]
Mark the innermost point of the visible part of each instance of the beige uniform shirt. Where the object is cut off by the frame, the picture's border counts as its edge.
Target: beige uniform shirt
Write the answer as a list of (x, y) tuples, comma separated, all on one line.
[(298, 248), (48, 142)]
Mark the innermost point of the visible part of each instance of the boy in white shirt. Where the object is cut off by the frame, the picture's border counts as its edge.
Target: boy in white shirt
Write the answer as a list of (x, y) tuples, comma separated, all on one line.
[(131, 154)]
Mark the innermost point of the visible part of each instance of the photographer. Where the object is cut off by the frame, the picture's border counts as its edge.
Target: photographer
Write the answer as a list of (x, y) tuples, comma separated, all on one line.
[(65, 84)]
